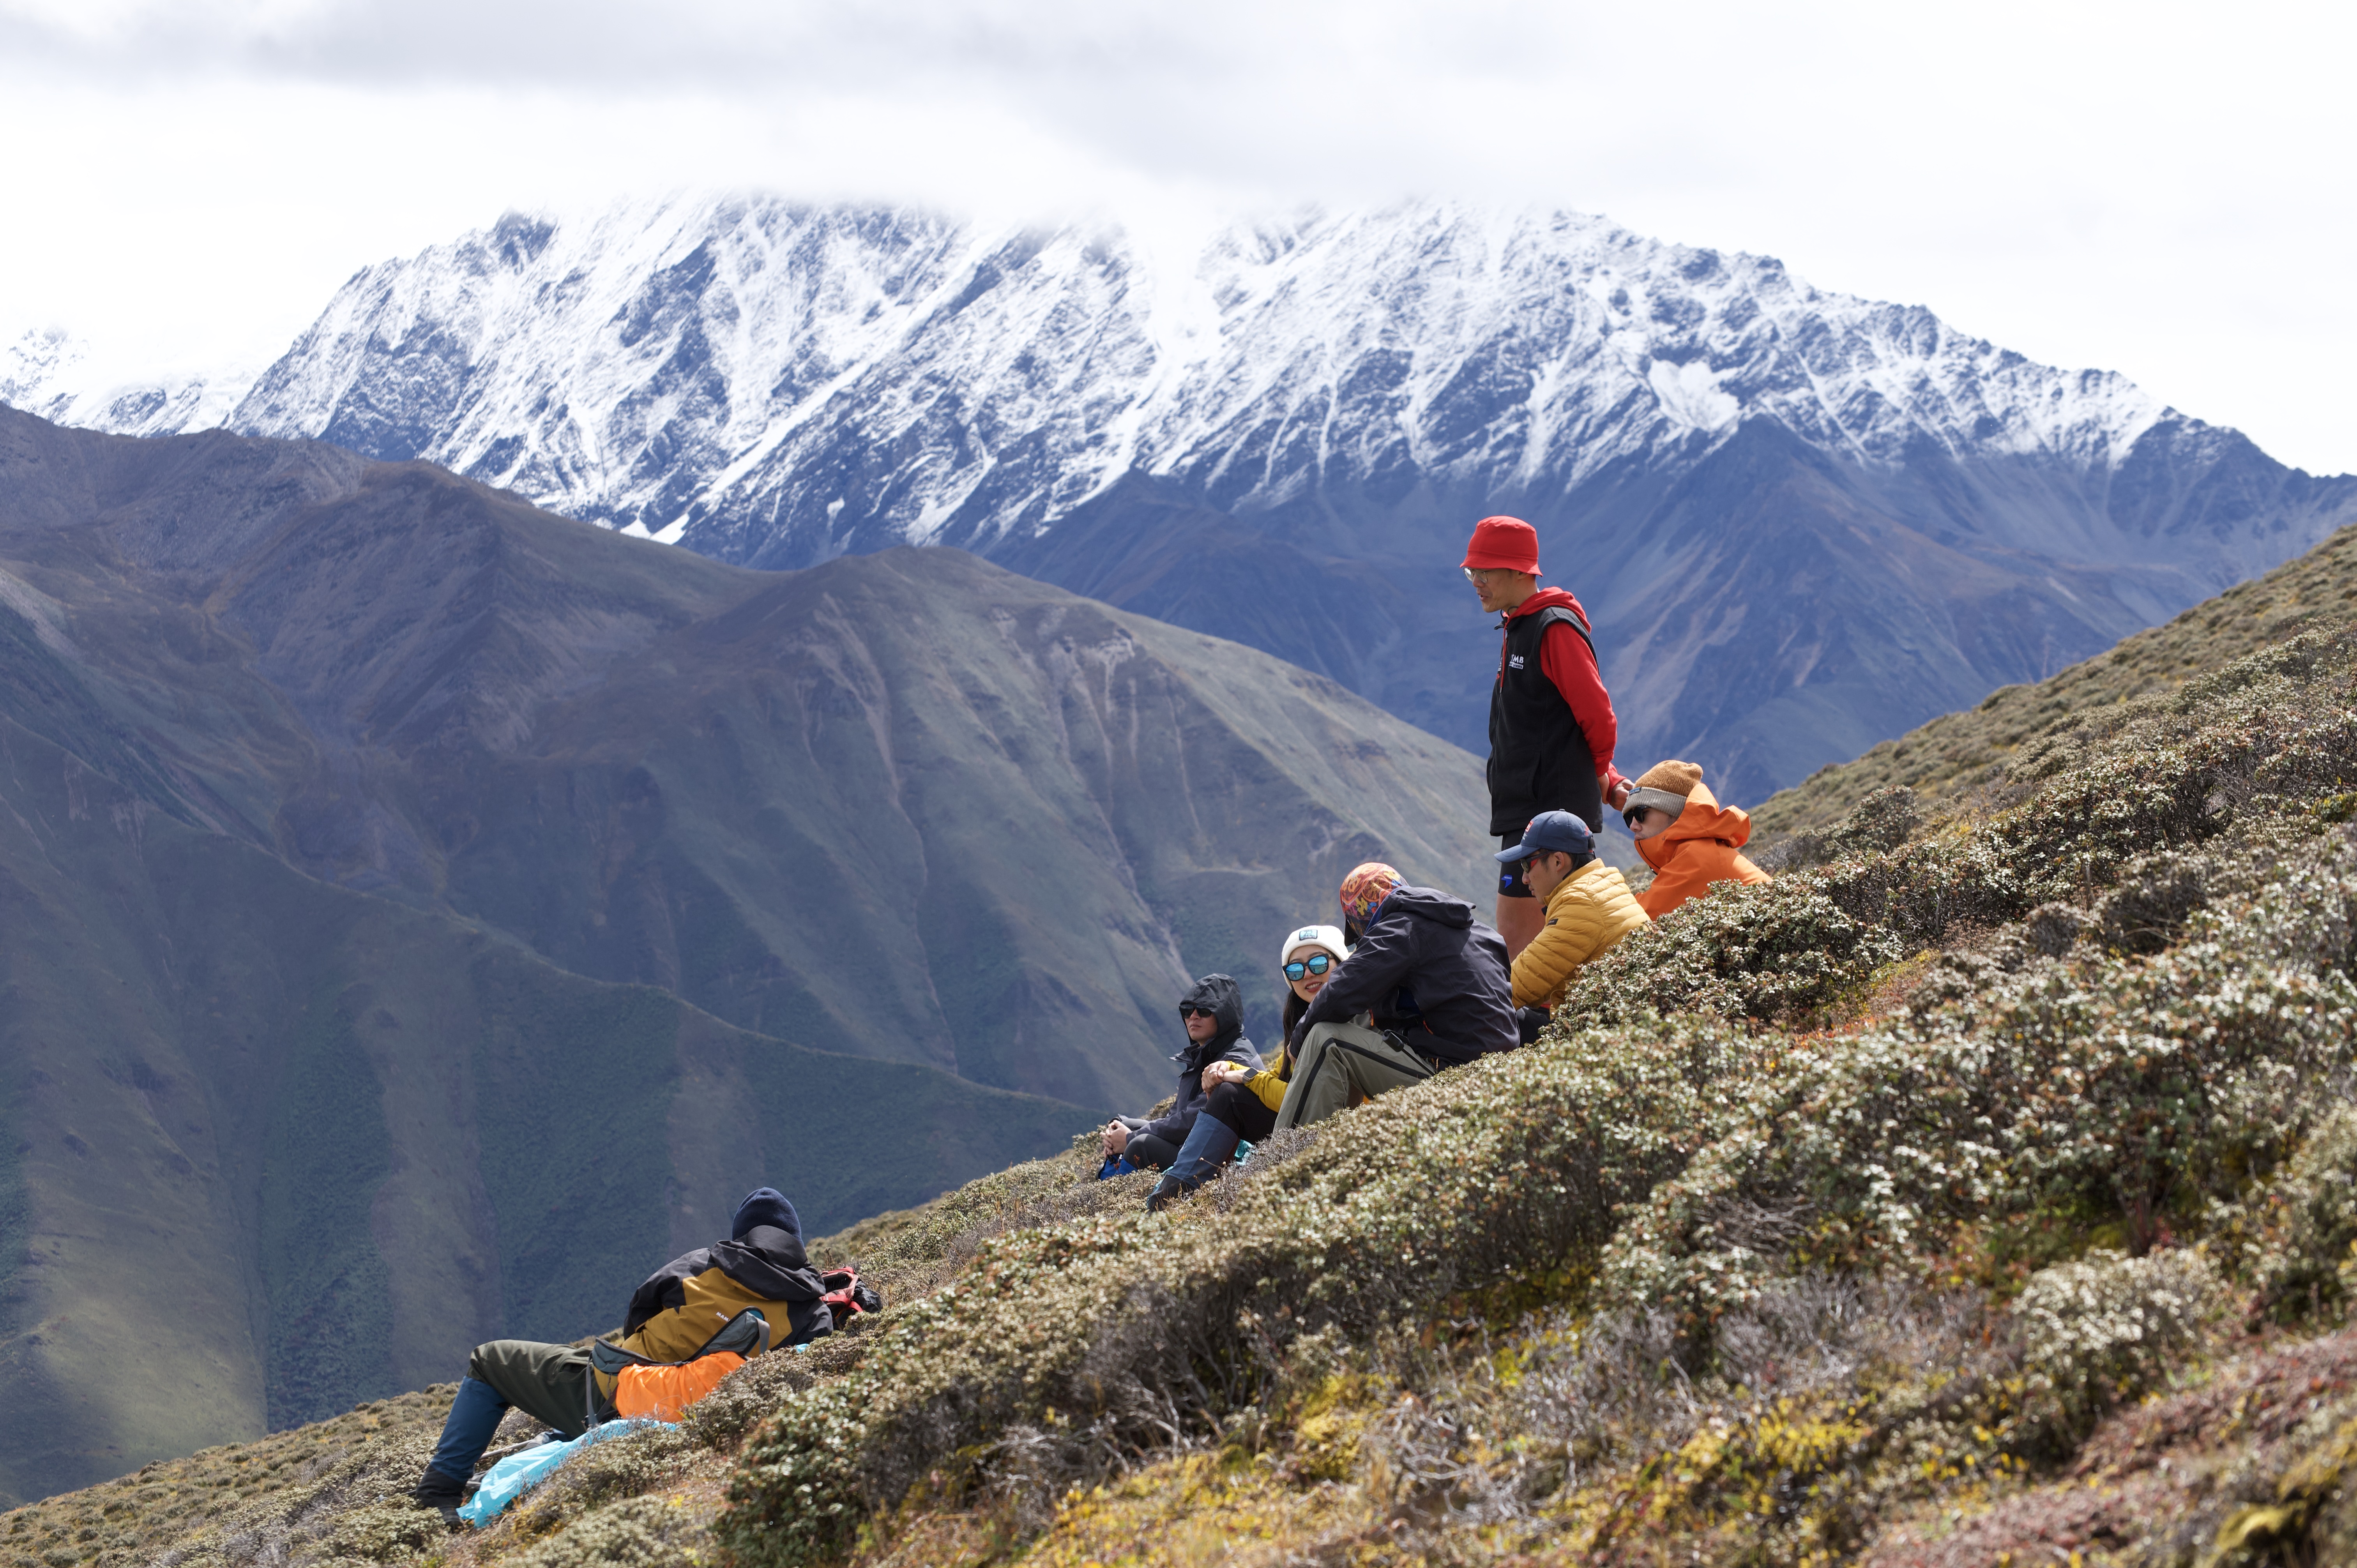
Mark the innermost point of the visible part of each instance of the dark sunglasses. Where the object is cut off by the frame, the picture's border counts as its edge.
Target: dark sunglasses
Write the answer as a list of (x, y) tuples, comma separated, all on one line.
[(1186, 1012), (1318, 964)]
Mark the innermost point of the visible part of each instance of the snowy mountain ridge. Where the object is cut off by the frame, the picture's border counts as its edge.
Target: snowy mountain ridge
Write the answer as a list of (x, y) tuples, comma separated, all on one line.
[(675, 367), (51, 372), (1801, 522)]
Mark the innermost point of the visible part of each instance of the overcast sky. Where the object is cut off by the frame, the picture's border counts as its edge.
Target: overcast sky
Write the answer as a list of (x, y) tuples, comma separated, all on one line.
[(2157, 188)]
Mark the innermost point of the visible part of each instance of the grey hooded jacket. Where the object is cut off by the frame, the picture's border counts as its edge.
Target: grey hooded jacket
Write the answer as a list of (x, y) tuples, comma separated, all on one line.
[(1226, 1000)]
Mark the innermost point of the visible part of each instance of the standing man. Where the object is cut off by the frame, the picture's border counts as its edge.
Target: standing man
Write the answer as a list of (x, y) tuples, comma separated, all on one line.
[(1552, 730)]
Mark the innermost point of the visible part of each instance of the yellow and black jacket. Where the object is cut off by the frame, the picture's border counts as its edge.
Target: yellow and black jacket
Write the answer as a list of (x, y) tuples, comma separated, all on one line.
[(688, 1300)]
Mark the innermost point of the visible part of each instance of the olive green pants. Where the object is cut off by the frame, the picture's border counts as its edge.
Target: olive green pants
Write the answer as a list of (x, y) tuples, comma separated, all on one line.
[(1338, 1060), (550, 1383)]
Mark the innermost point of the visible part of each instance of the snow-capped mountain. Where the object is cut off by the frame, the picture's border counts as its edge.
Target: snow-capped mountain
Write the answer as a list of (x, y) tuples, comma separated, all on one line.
[(1801, 520), (688, 369), (51, 372)]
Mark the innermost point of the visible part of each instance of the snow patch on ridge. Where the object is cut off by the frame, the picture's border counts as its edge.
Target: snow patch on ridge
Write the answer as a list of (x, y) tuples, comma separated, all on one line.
[(1690, 396)]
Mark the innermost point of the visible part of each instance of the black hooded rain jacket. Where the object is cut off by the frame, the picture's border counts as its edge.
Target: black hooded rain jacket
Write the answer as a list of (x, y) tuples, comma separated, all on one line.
[(1429, 972)]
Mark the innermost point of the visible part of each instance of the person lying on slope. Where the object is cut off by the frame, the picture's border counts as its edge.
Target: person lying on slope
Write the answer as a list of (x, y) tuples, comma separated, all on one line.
[(671, 1318), (1690, 841), (1213, 1013), (1588, 910), (1238, 1105)]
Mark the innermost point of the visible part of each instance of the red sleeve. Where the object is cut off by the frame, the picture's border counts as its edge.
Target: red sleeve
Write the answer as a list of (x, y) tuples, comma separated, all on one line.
[(1564, 659)]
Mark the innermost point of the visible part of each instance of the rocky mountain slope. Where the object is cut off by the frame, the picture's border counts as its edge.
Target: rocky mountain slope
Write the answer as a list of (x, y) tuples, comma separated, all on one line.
[(1977, 1193), (417, 910), (1804, 521)]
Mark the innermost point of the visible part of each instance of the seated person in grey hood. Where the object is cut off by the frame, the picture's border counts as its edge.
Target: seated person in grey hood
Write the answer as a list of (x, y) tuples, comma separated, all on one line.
[(1239, 1104), (1213, 1013)]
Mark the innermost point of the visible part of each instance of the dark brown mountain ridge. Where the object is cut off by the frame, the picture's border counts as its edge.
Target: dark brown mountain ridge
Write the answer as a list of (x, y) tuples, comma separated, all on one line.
[(409, 685)]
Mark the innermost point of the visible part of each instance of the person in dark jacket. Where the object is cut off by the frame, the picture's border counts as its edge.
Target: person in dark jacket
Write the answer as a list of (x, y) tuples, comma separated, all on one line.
[(1213, 1013), (1422, 966), (670, 1316), (1552, 729)]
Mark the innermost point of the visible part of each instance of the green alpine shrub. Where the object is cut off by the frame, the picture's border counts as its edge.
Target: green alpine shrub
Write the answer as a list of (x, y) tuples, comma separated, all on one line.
[(2101, 1331), (2307, 1263)]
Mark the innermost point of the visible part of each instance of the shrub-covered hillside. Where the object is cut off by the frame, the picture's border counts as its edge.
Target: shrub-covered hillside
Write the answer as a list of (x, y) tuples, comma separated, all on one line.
[(1983, 1190), (1959, 752)]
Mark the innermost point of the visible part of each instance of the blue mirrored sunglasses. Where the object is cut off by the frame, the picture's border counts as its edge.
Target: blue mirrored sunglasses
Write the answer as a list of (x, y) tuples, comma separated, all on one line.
[(1318, 964)]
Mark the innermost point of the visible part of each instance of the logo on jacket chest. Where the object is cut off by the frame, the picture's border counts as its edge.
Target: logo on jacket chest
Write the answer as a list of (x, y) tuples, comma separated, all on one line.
[(1515, 662)]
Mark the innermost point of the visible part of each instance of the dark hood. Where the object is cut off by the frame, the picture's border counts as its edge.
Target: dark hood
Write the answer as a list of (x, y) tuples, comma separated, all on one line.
[(1428, 903), (765, 1206), (769, 1262), (1225, 998)]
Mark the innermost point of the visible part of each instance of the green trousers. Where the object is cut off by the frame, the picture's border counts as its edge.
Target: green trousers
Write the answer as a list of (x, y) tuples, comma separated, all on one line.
[(1337, 1059), (551, 1383)]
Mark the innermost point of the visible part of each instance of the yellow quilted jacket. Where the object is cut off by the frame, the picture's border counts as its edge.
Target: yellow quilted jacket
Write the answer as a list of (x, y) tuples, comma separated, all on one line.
[(1591, 910)]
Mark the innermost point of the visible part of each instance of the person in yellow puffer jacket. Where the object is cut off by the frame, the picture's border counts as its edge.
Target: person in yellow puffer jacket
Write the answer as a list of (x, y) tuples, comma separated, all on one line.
[(1588, 907)]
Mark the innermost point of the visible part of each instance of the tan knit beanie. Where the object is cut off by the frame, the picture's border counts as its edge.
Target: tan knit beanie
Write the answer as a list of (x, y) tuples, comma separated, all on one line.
[(1662, 787), (1673, 778)]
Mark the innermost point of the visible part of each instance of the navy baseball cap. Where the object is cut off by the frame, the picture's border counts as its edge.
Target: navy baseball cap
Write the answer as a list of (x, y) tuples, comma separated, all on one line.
[(1552, 830)]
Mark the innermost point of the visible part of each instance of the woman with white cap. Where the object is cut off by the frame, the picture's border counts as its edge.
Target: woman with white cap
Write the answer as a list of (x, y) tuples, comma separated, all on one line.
[(1241, 1104), (1309, 954)]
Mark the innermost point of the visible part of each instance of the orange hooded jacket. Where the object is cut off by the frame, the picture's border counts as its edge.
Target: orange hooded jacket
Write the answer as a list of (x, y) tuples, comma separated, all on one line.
[(1698, 849)]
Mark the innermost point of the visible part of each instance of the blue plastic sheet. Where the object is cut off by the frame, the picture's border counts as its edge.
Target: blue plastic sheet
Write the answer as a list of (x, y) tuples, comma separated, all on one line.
[(519, 1473)]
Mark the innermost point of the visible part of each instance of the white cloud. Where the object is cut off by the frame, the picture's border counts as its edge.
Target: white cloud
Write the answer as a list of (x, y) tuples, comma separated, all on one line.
[(2157, 188)]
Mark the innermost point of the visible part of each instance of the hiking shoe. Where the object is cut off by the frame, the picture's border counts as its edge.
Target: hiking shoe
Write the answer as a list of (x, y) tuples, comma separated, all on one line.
[(437, 1491), (1166, 1191)]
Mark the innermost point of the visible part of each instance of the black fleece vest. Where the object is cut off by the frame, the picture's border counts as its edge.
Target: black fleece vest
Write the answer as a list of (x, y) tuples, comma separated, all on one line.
[(1539, 759)]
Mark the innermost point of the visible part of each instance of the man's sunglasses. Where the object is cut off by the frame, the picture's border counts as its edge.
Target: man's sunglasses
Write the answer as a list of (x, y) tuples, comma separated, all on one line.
[(1318, 964), (1186, 1012)]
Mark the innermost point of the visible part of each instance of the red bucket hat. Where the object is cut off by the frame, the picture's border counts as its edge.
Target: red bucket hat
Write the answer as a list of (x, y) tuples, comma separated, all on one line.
[(1504, 543)]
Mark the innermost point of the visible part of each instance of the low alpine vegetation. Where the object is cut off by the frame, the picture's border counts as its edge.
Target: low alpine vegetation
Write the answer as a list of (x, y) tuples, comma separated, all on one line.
[(2014, 1066), (1984, 1185)]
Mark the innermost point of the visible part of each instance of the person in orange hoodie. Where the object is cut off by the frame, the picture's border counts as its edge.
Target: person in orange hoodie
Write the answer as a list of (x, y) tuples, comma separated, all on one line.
[(1685, 835)]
